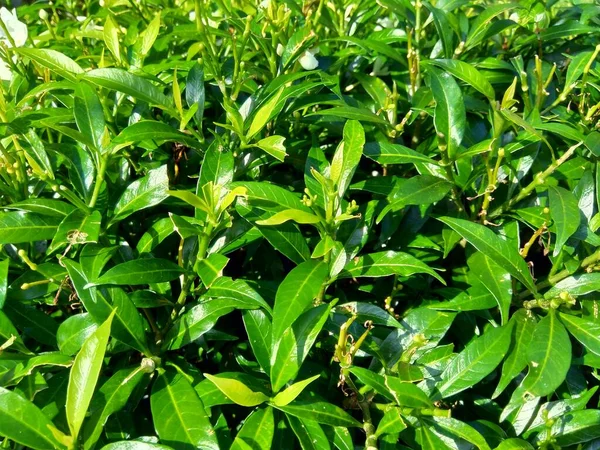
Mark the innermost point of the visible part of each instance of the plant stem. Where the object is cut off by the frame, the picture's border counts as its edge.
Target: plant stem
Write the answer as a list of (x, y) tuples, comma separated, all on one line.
[(99, 181), (538, 180), (363, 403)]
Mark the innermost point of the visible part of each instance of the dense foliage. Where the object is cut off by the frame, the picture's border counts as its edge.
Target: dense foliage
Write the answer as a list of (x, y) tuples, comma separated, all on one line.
[(230, 225)]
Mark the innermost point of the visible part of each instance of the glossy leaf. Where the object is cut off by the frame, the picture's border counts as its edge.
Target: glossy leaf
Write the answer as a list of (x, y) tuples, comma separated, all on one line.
[(565, 215), (484, 240), (257, 431), (479, 358), (140, 271), (295, 293), (84, 376), (548, 355), (237, 391), (178, 414)]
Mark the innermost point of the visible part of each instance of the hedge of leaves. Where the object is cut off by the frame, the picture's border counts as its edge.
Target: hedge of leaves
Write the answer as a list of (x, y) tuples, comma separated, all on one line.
[(299, 225)]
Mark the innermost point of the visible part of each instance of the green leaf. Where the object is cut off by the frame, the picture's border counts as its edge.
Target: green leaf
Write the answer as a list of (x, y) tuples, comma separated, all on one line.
[(257, 431), (386, 263), (135, 445), (273, 145), (139, 271), (84, 376), (494, 247), (111, 37), (373, 380), (78, 227), (239, 291), (142, 193), (309, 433), (129, 84), (549, 356), (495, 279), (580, 284), (152, 130), (450, 117), (8, 331), (482, 22), (128, 325), (366, 311), (467, 73), (449, 425), (110, 398), (443, 28), (258, 328), (18, 227), (564, 211), (44, 207), (217, 166), (289, 394), (4, 264), (321, 412), (347, 156), (479, 358), (25, 423), (391, 422), (576, 427), (237, 391), (263, 115), (585, 331), (210, 269), (407, 394), (290, 352), (195, 93), (89, 115), (295, 293), (514, 444), (74, 331), (295, 215), (387, 153), (178, 414), (419, 190), (53, 60), (516, 361)]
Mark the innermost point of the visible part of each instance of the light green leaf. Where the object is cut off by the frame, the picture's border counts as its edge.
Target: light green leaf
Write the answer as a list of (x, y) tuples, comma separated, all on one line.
[(264, 113), (89, 114), (295, 215), (289, 394), (407, 394), (19, 227), (152, 130), (237, 391), (273, 145)]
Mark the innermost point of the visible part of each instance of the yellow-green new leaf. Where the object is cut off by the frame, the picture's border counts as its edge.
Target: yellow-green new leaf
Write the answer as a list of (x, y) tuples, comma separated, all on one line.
[(273, 145), (295, 215), (237, 391), (289, 395), (263, 115)]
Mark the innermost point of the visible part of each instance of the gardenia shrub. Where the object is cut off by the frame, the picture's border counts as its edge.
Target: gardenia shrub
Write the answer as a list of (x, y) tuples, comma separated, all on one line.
[(299, 225)]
